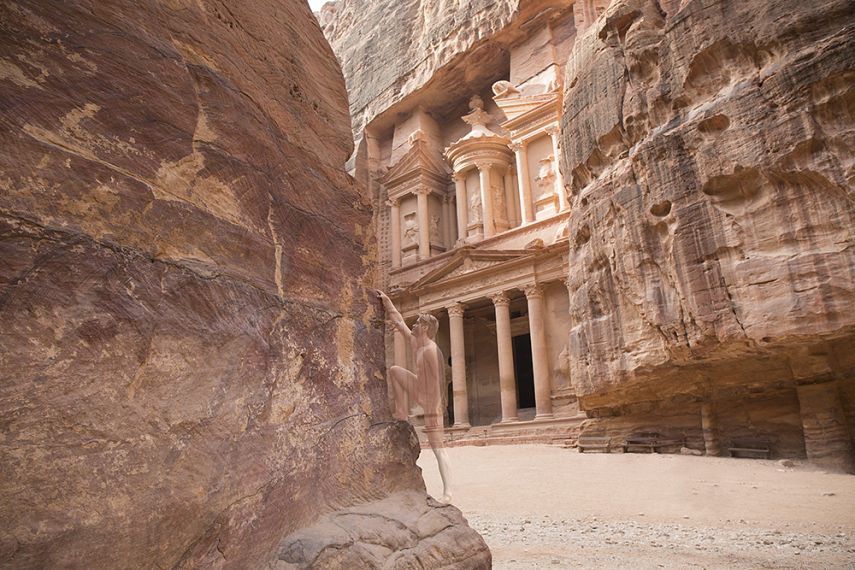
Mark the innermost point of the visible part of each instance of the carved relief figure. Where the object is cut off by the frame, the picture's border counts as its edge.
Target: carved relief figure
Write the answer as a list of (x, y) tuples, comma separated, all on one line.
[(499, 203), (434, 229), (475, 208), (562, 370), (546, 174), (426, 386), (411, 230)]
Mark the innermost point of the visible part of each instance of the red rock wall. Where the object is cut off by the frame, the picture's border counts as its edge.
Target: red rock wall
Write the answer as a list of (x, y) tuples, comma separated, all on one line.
[(708, 146), (190, 359)]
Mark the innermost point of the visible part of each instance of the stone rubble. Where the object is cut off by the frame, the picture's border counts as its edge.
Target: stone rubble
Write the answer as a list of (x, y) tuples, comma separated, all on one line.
[(734, 544)]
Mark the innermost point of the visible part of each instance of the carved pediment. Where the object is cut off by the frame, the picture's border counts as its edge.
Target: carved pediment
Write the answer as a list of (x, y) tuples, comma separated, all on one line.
[(467, 262), (528, 113), (421, 166)]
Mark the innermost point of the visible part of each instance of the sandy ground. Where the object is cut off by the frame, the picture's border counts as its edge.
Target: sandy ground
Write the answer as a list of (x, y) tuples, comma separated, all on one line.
[(539, 506)]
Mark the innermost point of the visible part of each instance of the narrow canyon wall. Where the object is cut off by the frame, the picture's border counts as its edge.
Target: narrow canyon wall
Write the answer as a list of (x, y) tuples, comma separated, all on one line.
[(191, 364), (390, 49), (709, 149)]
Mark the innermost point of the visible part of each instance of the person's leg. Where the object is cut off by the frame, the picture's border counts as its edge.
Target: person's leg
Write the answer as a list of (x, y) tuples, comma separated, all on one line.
[(444, 472), (436, 439), (402, 382)]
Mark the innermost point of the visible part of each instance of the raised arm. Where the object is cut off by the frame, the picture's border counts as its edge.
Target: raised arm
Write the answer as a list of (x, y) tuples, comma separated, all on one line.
[(395, 316)]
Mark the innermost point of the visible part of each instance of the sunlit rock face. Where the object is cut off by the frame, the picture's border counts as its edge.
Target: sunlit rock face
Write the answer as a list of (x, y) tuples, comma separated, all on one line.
[(709, 148), (191, 360)]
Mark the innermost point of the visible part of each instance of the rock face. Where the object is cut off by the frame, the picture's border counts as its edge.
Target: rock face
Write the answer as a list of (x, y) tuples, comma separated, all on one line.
[(191, 359), (708, 146), (391, 48)]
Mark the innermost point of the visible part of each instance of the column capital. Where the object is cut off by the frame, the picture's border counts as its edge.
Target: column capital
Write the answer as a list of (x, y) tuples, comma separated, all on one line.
[(392, 202), (422, 190), (482, 166), (448, 198), (499, 299), (517, 146), (533, 290), (551, 129), (457, 309), (458, 176)]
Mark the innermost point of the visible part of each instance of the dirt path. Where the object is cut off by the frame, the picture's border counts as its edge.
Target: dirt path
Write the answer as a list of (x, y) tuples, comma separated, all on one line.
[(546, 507)]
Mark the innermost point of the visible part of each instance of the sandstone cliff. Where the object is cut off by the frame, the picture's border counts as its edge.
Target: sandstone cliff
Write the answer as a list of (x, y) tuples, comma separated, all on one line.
[(191, 359), (708, 146)]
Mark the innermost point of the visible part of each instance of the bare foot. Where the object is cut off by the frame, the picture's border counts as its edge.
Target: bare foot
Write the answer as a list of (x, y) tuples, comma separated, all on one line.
[(446, 498), (400, 416)]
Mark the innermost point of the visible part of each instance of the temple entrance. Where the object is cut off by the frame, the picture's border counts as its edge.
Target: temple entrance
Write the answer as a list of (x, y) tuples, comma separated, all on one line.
[(523, 370)]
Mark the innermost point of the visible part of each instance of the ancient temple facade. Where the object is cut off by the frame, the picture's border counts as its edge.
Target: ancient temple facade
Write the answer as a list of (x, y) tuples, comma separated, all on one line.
[(472, 218), (585, 194)]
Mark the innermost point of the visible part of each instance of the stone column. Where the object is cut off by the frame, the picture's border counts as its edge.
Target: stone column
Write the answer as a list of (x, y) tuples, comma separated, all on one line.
[(486, 199), (447, 235), (539, 356), (395, 228), (507, 380), (424, 222), (827, 440), (458, 365), (526, 208), (510, 199), (709, 423), (552, 131), (462, 203)]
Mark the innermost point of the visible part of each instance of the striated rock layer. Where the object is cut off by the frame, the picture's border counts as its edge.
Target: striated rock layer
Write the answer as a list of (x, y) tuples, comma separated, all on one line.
[(191, 360), (709, 146)]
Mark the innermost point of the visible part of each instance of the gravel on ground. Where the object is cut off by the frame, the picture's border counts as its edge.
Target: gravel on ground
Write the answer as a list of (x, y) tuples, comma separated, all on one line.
[(541, 506)]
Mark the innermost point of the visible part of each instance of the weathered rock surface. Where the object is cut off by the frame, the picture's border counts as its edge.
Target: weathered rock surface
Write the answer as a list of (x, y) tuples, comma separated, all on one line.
[(405, 530), (390, 49), (191, 359), (709, 149)]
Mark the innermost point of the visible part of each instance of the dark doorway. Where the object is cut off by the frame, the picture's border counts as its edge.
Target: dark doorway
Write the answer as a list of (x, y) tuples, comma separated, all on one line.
[(523, 371)]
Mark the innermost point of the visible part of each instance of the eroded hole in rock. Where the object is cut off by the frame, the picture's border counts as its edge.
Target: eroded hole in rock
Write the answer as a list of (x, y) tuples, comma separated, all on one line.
[(661, 209), (723, 64), (619, 27), (835, 102), (637, 127), (644, 67), (583, 235), (735, 192), (714, 125)]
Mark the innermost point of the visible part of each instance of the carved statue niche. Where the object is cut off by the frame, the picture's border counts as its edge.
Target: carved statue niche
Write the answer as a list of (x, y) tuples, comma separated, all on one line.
[(475, 208), (562, 370), (499, 210), (546, 174), (411, 229), (434, 229)]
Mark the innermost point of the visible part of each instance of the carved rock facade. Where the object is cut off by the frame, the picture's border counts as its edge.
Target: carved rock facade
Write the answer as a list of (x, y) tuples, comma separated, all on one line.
[(706, 173), (468, 136), (191, 357)]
